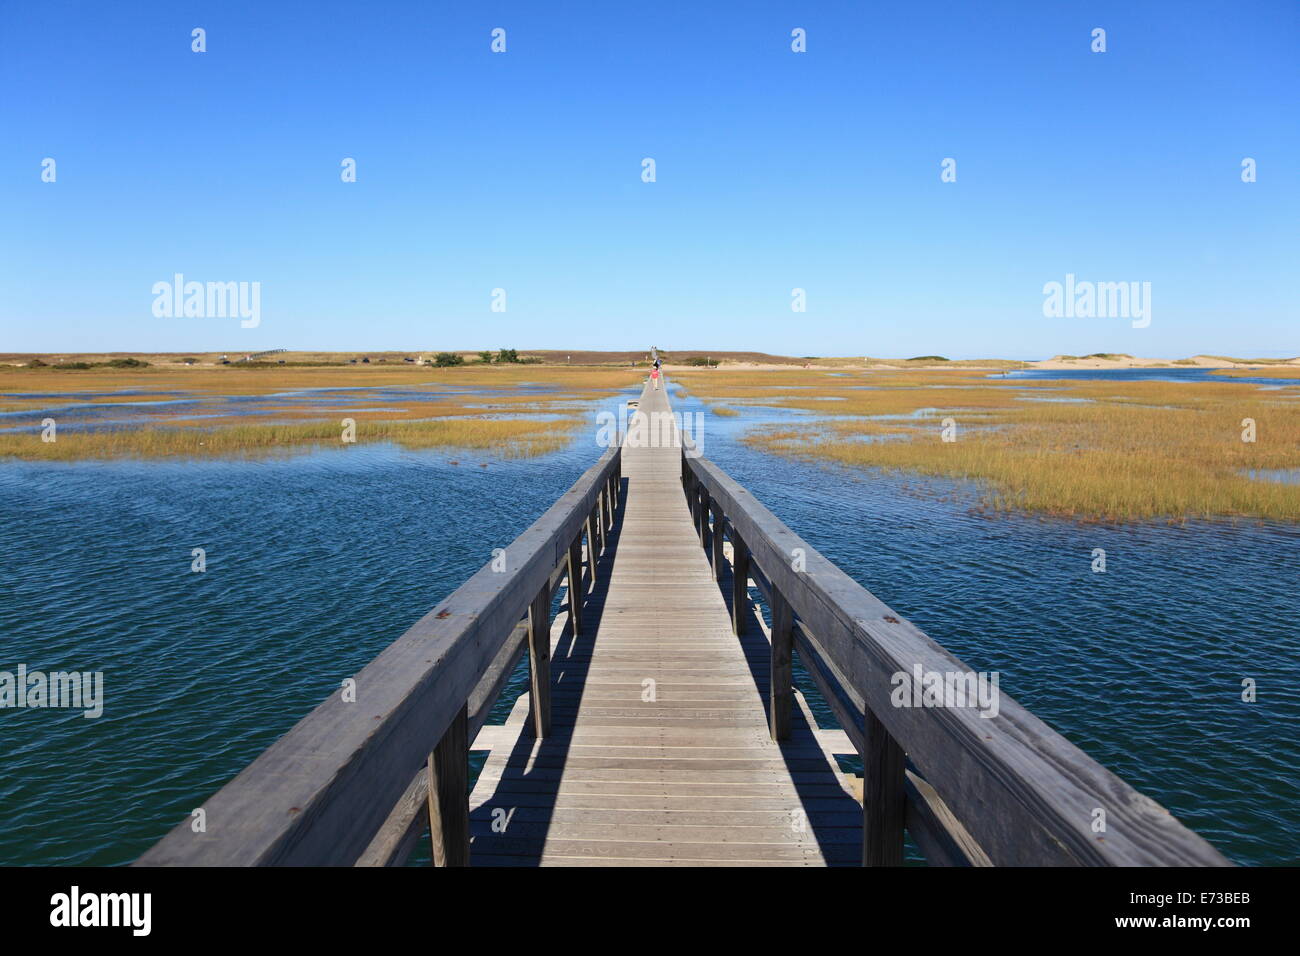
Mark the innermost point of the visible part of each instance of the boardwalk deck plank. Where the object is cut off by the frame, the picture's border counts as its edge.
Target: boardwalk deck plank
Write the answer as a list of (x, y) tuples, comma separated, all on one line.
[(690, 777)]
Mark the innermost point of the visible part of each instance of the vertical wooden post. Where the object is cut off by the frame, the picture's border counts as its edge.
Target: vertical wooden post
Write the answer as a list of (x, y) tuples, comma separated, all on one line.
[(601, 507), (782, 676), (576, 590), (539, 662), (883, 799), (704, 518), (719, 525), (593, 554), (739, 583), (448, 769)]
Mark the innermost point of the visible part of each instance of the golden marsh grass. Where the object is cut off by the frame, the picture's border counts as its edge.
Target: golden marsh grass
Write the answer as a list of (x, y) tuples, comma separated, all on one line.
[(510, 438), (499, 422), (1090, 449)]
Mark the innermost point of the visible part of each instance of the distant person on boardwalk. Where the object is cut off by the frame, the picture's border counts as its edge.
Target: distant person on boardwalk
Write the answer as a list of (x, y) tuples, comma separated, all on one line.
[(654, 377)]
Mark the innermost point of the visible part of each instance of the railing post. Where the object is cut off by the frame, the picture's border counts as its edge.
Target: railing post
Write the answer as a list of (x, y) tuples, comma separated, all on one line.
[(600, 518), (883, 799), (719, 523), (592, 553), (739, 583), (782, 676), (539, 662), (576, 591), (703, 527), (448, 769)]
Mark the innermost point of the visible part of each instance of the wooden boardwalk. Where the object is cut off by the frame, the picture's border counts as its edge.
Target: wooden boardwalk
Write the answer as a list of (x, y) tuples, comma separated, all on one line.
[(659, 752), (665, 739)]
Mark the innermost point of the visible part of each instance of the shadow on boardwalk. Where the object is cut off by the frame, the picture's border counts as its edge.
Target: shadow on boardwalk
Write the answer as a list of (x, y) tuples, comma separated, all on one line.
[(527, 783), (528, 789)]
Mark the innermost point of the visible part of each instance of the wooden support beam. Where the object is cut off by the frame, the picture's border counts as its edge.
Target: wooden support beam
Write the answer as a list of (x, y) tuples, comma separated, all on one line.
[(717, 558), (739, 583), (573, 574), (704, 519), (593, 551), (539, 663), (449, 794), (601, 509), (884, 802), (782, 689)]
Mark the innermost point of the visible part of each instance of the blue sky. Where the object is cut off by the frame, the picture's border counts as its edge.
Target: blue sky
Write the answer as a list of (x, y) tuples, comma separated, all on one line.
[(775, 170)]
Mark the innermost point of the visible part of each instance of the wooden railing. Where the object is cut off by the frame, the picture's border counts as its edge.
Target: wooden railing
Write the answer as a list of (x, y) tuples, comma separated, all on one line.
[(970, 789), (357, 780)]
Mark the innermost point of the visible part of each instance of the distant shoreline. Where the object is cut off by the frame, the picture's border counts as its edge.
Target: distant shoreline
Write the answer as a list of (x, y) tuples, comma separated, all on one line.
[(687, 359)]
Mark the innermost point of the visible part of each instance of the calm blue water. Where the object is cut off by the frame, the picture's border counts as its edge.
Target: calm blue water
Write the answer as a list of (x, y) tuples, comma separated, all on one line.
[(1150, 375), (317, 562), (74, 413)]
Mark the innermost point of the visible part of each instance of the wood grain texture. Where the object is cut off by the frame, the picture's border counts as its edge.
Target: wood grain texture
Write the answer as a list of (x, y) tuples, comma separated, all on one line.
[(883, 800), (658, 752), (539, 663), (320, 794), (647, 734), (1023, 792), (448, 790)]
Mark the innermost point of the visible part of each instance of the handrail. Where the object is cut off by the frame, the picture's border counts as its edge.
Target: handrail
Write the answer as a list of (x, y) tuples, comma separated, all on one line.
[(1004, 789), (321, 794)]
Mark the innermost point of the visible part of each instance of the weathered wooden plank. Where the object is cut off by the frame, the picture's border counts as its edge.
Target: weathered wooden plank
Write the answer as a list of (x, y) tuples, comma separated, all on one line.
[(782, 674), (573, 574), (939, 834), (718, 539), (397, 836), (654, 850), (688, 762), (449, 824), (883, 801), (320, 793), (1024, 792), (740, 606), (539, 663)]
